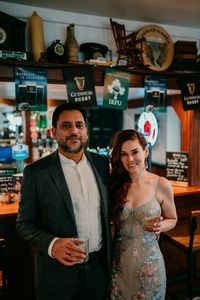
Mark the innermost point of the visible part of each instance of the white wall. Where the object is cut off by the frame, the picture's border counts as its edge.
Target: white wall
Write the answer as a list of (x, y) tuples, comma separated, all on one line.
[(97, 29), (88, 28)]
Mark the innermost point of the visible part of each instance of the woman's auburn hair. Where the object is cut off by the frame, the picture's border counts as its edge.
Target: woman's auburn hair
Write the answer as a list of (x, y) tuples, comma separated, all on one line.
[(119, 179)]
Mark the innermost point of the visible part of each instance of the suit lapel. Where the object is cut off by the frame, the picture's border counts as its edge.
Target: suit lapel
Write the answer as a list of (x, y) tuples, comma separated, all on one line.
[(58, 177), (60, 182), (101, 186)]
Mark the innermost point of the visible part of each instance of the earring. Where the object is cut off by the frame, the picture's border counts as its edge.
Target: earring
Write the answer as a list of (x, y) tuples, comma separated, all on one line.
[(146, 164)]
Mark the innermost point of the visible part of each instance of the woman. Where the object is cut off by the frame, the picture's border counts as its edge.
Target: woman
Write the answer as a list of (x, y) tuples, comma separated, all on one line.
[(137, 196)]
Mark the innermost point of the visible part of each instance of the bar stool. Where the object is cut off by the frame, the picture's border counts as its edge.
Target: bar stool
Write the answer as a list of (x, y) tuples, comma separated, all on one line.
[(3, 265), (185, 238)]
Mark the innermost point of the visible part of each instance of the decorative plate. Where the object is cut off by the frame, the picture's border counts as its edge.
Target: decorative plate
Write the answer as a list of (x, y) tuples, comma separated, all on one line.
[(158, 48)]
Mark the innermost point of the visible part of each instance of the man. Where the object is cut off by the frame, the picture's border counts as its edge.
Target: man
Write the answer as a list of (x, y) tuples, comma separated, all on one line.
[(63, 197)]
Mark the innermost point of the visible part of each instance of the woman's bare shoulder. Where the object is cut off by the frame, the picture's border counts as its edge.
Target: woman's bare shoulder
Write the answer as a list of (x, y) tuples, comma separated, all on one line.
[(164, 185), (163, 181)]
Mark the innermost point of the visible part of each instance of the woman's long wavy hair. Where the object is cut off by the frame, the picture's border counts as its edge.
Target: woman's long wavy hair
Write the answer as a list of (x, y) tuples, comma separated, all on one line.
[(119, 181)]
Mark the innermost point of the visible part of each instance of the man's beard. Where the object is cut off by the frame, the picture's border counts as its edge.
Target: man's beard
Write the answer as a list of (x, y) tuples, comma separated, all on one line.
[(71, 149)]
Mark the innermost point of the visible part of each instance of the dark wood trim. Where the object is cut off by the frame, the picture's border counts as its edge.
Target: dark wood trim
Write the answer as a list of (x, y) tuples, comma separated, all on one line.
[(55, 73), (134, 103), (6, 101)]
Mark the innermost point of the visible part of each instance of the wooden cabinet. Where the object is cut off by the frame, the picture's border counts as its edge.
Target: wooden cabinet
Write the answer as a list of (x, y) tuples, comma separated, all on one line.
[(19, 257)]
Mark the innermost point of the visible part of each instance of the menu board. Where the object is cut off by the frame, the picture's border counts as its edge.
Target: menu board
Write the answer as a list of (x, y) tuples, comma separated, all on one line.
[(6, 181), (177, 166)]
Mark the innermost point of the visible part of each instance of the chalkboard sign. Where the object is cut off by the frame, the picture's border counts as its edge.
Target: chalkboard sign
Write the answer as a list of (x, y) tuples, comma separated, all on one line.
[(6, 181), (177, 166)]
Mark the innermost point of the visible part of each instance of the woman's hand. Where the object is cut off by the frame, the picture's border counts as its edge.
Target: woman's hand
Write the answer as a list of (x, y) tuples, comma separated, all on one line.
[(153, 224)]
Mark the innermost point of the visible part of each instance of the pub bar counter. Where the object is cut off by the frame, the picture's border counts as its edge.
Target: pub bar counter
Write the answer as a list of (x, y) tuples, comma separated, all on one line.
[(20, 256)]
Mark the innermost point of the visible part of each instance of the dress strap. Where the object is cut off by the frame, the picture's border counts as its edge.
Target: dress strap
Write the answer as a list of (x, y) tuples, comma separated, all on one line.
[(156, 186)]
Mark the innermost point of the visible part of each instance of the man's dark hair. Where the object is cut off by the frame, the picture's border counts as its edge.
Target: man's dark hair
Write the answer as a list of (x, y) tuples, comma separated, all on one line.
[(67, 106)]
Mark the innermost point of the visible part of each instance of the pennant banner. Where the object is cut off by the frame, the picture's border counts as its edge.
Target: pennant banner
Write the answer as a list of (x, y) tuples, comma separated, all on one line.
[(31, 89), (155, 92), (80, 85), (190, 91), (116, 88)]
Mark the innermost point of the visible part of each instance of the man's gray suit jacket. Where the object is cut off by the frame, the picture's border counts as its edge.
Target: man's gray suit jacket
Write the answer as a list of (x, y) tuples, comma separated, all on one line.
[(46, 211)]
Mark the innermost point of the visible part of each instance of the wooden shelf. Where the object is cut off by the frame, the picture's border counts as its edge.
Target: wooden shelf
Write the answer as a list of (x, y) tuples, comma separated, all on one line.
[(55, 73)]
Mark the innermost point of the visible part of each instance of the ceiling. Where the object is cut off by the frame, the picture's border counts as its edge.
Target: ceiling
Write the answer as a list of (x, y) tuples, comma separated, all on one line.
[(173, 12)]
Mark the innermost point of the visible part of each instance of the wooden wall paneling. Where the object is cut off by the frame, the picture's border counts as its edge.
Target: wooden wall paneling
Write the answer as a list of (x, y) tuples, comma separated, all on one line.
[(190, 138), (185, 119), (195, 149), (7, 101)]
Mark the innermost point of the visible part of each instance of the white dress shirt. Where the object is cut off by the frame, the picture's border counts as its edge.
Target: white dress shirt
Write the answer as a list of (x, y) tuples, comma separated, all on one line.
[(85, 199)]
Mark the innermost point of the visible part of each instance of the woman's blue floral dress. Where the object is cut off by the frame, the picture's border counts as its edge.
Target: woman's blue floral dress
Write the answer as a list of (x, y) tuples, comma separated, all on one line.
[(138, 266)]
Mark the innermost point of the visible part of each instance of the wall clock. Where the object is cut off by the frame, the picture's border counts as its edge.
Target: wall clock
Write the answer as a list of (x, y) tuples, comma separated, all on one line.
[(12, 33), (3, 35)]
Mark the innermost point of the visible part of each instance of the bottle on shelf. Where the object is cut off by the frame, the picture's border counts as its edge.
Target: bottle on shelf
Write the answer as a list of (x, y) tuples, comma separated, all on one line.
[(72, 47)]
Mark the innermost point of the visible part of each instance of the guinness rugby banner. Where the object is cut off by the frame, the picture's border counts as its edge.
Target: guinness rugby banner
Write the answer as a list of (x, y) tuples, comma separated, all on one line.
[(190, 91), (116, 88), (80, 85)]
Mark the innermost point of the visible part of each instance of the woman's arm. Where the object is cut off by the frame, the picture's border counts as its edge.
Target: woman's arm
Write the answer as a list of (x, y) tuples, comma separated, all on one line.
[(165, 197)]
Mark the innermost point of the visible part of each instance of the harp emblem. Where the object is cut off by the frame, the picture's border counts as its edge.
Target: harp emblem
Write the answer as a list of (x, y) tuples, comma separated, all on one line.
[(80, 82)]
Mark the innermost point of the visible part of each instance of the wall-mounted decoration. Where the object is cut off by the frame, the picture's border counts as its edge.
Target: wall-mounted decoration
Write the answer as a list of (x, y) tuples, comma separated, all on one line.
[(31, 89), (155, 95), (190, 91), (116, 88), (80, 85), (157, 47)]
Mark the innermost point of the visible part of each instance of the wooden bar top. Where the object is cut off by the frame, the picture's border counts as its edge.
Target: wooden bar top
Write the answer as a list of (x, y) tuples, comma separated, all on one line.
[(11, 209), (8, 210), (186, 190)]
